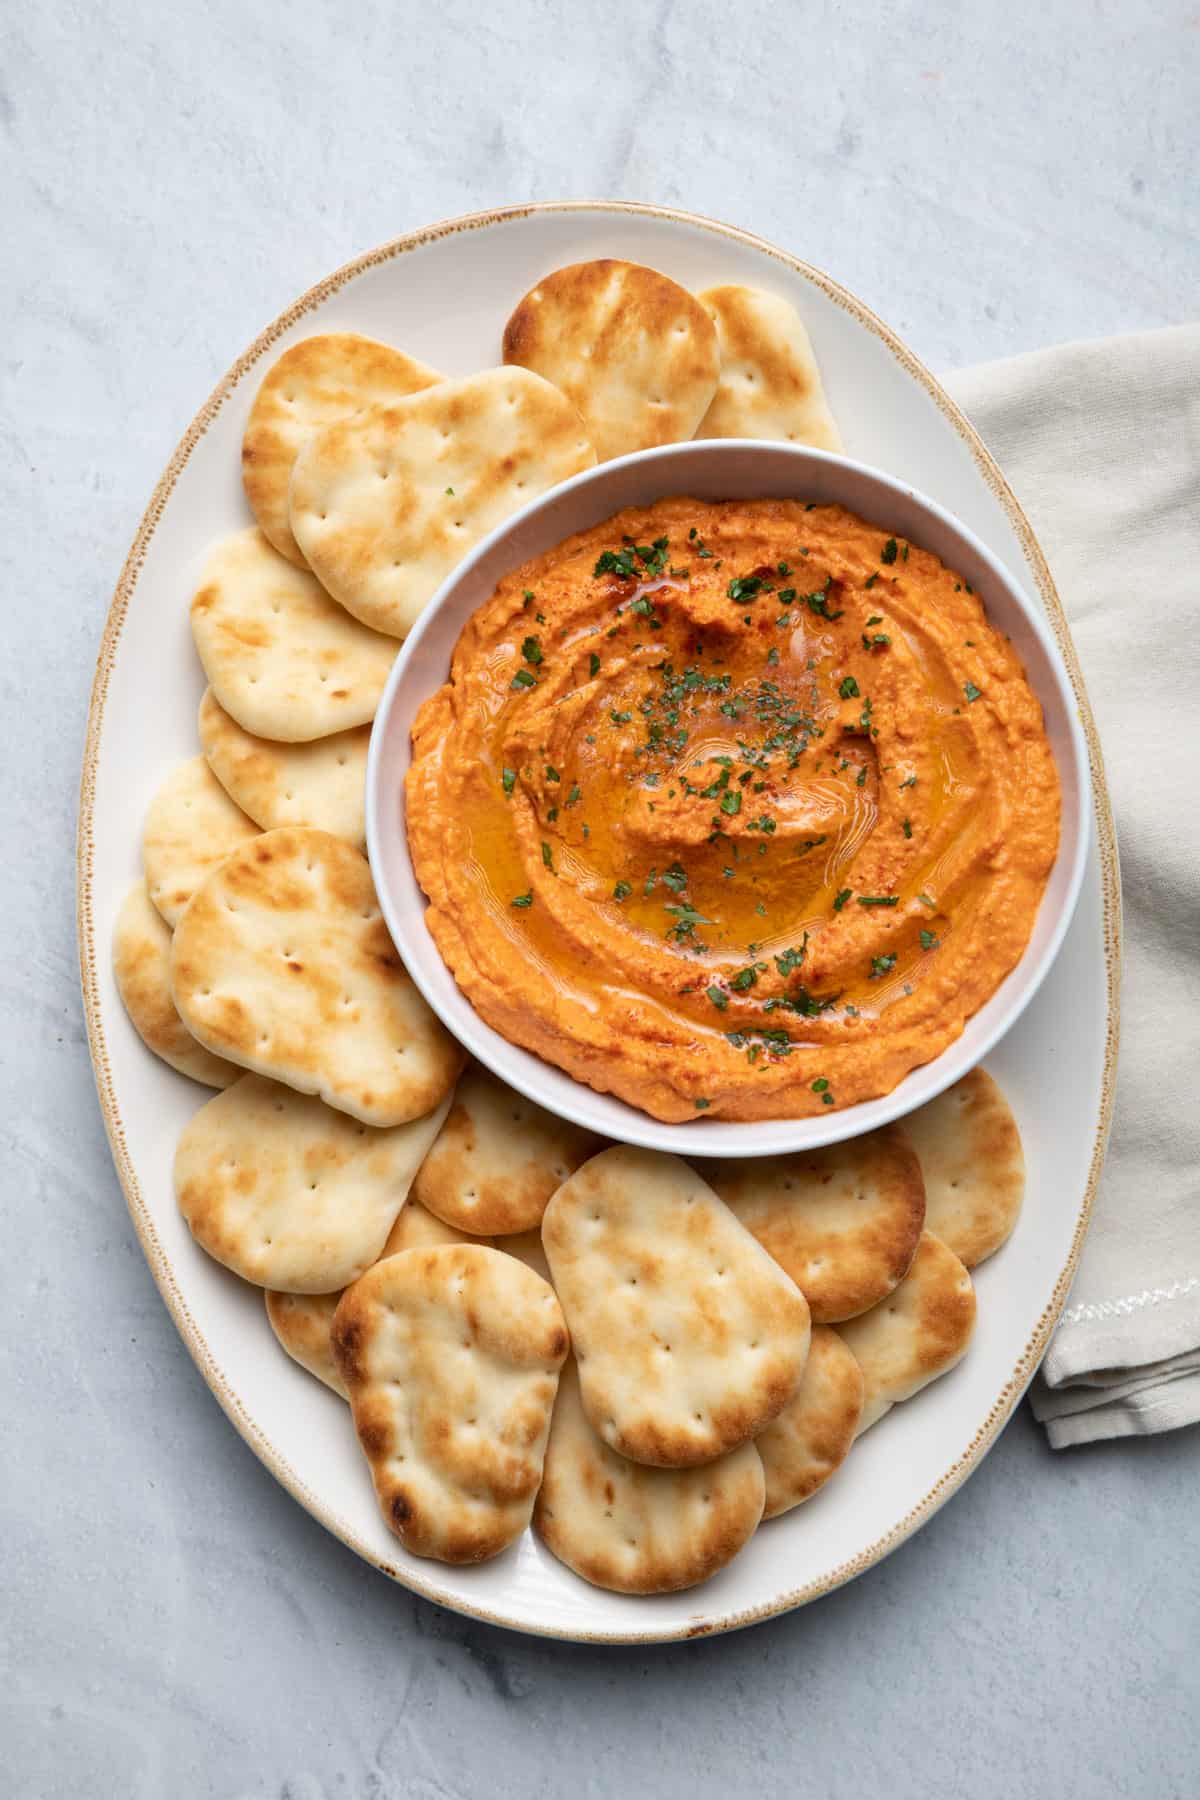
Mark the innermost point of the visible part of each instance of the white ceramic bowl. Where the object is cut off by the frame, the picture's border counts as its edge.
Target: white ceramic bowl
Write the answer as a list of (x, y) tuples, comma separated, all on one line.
[(716, 469)]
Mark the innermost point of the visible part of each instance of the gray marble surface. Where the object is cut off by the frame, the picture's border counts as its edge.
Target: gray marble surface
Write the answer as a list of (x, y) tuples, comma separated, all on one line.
[(990, 179)]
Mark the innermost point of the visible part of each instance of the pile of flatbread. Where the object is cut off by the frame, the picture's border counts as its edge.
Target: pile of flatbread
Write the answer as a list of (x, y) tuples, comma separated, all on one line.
[(529, 1325)]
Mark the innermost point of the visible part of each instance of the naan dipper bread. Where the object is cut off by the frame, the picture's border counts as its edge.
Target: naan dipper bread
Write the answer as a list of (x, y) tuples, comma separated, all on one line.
[(301, 1322), (498, 1158), (191, 826), (974, 1167), (283, 964), (844, 1221), (770, 386), (812, 1436), (633, 351), (690, 1339), (284, 660), (919, 1332), (316, 381), (288, 1193), (320, 783), (142, 966), (451, 1358), (385, 504), (633, 1529)]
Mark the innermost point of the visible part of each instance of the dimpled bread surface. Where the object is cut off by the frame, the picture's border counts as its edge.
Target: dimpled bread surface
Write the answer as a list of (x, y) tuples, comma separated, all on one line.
[(315, 382), (282, 657), (919, 1332), (282, 963), (634, 352), (142, 966), (812, 1436), (974, 1166), (322, 783), (498, 1158), (844, 1221), (451, 1357), (690, 1339), (190, 828), (288, 1193), (386, 504), (634, 1529), (770, 386)]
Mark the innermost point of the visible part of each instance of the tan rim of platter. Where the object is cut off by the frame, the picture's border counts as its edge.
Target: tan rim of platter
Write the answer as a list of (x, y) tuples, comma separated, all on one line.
[(161, 1269)]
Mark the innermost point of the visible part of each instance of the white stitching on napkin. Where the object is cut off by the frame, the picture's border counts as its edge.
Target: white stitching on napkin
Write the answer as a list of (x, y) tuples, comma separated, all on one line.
[(1115, 1309)]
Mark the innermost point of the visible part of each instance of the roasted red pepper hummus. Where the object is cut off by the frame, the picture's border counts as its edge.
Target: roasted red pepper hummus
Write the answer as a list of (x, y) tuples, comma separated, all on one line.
[(738, 808)]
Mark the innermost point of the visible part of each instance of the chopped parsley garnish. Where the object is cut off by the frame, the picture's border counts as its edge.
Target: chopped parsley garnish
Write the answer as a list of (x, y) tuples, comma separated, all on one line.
[(819, 603), (622, 891), (575, 795), (593, 665), (971, 691), (449, 490), (875, 619), (880, 965), (731, 802), (906, 827), (531, 650), (911, 781), (528, 596), (745, 978), (616, 562), (552, 773), (686, 920), (840, 899), (522, 899), (820, 1085), (719, 997), (871, 580), (620, 718), (744, 587), (523, 679), (772, 655), (547, 855), (888, 553), (929, 940), (675, 877), (701, 1105), (878, 640), (849, 688), (508, 780), (879, 899), (792, 959)]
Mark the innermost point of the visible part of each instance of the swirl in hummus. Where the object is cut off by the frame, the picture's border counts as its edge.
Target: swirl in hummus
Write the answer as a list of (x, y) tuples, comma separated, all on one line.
[(740, 808)]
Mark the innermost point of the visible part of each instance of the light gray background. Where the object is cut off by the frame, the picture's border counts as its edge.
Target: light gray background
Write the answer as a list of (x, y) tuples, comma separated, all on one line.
[(172, 176)]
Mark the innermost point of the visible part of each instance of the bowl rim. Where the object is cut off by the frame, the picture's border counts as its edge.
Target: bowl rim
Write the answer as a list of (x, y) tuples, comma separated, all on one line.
[(700, 1138)]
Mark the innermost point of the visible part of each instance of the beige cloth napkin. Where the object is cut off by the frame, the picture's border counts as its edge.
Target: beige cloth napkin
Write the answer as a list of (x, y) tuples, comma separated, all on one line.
[(1101, 443)]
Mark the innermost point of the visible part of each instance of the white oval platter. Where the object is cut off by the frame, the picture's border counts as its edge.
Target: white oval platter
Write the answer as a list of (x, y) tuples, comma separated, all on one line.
[(443, 295)]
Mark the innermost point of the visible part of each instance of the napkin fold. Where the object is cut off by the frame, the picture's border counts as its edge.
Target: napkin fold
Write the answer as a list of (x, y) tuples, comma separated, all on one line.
[(1101, 444)]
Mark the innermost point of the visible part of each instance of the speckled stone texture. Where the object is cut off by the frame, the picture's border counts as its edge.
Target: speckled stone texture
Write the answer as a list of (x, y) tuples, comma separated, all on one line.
[(989, 179)]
